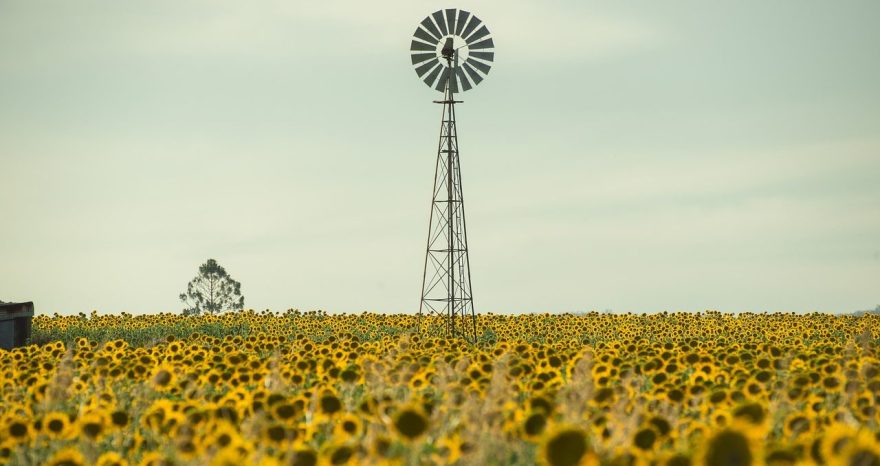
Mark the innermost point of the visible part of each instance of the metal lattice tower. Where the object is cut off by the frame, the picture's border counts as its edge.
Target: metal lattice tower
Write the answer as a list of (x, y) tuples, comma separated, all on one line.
[(448, 49)]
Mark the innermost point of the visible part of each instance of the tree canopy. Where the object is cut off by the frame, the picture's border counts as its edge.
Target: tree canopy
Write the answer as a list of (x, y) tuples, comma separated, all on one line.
[(212, 291)]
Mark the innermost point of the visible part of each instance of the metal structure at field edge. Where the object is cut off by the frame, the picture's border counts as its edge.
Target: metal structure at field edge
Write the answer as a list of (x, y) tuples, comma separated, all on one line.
[(452, 51)]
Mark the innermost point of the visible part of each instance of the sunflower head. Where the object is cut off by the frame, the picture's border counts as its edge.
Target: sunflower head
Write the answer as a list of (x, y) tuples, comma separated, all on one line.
[(861, 449), (411, 422), (67, 457), (17, 429), (339, 454), (56, 425), (329, 403), (163, 377), (728, 447), (93, 424), (111, 458), (534, 423), (566, 446), (349, 426), (645, 438)]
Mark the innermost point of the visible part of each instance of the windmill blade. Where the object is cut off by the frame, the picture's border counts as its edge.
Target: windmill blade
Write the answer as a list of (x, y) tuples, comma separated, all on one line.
[(423, 68), (462, 79), (429, 80), (479, 34), (429, 26), (485, 56), (438, 17), (421, 34), (486, 44), (472, 73), (441, 83), (450, 20), (478, 65), (420, 57), (421, 46), (463, 17), (471, 26)]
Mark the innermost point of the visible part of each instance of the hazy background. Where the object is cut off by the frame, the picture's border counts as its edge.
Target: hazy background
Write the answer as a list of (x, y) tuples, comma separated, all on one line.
[(640, 157)]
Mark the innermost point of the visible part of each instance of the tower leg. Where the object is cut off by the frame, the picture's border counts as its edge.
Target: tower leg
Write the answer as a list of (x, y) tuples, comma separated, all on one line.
[(447, 302)]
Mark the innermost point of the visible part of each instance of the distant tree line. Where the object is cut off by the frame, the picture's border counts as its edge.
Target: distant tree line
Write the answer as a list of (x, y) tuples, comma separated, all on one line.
[(875, 311)]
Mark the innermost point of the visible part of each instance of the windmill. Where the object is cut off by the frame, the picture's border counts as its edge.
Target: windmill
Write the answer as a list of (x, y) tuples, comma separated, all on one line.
[(452, 51)]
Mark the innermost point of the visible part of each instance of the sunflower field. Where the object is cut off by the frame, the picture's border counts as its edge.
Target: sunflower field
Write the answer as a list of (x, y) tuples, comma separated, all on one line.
[(309, 388)]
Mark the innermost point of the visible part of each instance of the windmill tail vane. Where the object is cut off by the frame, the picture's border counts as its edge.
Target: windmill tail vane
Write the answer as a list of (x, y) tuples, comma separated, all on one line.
[(452, 52)]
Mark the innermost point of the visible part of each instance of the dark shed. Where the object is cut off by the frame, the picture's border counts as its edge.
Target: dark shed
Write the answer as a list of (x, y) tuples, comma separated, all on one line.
[(15, 324)]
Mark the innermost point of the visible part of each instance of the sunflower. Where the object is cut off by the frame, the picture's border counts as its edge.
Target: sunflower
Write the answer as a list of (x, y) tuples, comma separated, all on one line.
[(417, 382), (119, 419), (223, 435), (163, 377), (451, 448), (230, 456), (67, 457), (542, 403), (795, 425), (381, 446), (93, 424), (111, 458), (781, 457), (155, 458), (728, 448), (186, 444), (645, 438), (302, 456), (284, 411), (348, 426), (339, 454), (259, 459), (56, 425), (832, 384), (678, 459), (835, 441), (864, 450), (329, 404), (17, 429), (411, 422), (534, 423), (159, 415), (566, 446), (275, 433)]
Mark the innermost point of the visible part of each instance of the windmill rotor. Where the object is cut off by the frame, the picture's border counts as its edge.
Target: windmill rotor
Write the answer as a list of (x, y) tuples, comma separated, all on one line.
[(453, 47)]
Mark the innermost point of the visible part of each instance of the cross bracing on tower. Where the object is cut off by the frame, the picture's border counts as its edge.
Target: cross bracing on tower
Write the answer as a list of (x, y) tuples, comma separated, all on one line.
[(452, 51)]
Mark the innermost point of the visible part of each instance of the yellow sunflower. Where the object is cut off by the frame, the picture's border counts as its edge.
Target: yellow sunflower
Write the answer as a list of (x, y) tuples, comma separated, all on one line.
[(67, 457), (163, 377), (567, 446), (411, 422), (93, 424), (56, 425), (111, 458), (728, 447)]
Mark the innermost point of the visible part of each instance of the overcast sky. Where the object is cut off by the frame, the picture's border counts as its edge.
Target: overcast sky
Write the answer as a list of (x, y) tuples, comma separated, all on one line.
[(633, 156)]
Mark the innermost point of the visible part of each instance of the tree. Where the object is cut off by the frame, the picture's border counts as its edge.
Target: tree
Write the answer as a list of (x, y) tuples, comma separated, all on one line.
[(212, 291)]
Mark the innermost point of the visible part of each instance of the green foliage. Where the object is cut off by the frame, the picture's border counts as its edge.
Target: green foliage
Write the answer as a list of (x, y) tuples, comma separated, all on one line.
[(488, 338), (135, 336), (212, 291)]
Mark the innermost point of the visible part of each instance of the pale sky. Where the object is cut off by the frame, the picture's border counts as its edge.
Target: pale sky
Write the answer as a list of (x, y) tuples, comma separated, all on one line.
[(633, 156)]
